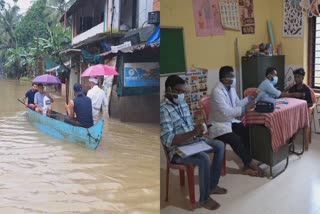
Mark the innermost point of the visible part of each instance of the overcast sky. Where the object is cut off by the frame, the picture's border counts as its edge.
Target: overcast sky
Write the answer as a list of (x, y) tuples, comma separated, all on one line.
[(23, 4)]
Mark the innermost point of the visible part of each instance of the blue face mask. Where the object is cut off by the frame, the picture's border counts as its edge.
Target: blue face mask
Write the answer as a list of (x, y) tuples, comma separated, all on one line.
[(275, 80)]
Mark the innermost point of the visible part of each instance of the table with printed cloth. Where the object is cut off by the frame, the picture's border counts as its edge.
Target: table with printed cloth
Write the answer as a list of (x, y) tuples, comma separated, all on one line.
[(272, 135)]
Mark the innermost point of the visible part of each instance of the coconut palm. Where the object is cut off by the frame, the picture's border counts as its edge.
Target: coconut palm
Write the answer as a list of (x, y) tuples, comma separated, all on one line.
[(9, 17)]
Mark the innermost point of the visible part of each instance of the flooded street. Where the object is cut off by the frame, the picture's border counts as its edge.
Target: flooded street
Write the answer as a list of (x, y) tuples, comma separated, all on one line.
[(42, 174)]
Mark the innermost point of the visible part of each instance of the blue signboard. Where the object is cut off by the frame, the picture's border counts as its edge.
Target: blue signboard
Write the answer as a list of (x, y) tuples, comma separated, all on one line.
[(141, 74)]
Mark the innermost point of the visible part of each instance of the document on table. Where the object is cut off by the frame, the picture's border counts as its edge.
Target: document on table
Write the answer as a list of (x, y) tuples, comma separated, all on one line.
[(191, 149)]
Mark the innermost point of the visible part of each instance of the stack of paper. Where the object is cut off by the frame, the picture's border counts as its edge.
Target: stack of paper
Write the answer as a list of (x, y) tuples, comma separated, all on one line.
[(191, 149)]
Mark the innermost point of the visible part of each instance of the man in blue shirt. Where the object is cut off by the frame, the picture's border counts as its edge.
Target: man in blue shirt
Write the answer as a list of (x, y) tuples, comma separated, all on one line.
[(267, 90), (177, 128), (79, 109), (30, 96)]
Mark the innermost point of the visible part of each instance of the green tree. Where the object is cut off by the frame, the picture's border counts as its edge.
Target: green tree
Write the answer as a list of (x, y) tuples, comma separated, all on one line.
[(26, 40), (33, 24), (58, 39), (56, 8), (13, 60), (2, 4), (9, 17)]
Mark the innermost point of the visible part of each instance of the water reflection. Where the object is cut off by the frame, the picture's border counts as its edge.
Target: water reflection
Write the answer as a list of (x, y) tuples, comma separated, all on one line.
[(41, 174)]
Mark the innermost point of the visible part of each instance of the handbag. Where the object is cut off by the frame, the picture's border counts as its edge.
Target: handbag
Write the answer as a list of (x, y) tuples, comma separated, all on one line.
[(264, 107)]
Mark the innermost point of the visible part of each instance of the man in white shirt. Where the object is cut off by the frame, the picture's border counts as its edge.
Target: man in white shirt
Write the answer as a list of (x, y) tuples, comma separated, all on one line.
[(226, 107), (97, 96)]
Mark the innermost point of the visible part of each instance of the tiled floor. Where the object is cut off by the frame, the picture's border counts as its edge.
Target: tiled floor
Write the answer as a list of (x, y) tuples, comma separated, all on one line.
[(296, 191)]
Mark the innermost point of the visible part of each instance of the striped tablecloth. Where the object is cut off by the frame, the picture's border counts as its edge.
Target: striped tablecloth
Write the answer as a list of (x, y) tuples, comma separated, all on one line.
[(284, 122)]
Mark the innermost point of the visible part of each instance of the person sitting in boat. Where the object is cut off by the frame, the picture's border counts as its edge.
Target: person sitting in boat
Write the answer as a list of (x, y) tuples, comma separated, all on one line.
[(39, 98), (97, 96), (79, 109), (30, 96)]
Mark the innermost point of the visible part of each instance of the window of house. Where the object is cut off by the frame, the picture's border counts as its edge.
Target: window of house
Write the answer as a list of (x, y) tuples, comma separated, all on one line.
[(90, 15), (128, 14)]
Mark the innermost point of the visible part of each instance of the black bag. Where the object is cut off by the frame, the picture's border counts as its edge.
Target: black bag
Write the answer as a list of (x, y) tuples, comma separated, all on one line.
[(264, 107)]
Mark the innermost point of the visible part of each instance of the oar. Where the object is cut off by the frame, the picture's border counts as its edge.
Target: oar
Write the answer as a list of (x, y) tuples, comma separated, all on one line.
[(22, 102)]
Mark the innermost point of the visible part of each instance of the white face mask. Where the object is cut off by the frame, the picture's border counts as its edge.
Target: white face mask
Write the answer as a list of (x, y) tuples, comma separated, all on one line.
[(234, 83), (179, 99)]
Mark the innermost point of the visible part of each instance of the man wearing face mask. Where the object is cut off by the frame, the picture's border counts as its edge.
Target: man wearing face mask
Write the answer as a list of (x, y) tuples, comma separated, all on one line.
[(267, 89), (226, 107), (177, 128)]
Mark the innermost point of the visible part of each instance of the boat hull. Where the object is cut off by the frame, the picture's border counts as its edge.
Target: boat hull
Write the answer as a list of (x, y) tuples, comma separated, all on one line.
[(89, 138)]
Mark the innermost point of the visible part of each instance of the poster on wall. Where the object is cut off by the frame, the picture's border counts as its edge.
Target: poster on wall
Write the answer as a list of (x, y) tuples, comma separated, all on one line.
[(196, 88), (247, 16), (292, 19), (230, 16), (207, 17), (141, 74)]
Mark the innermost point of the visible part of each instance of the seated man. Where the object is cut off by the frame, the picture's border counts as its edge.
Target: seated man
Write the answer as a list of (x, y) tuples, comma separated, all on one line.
[(81, 107), (177, 128), (39, 98), (225, 108), (30, 96), (300, 87), (267, 90)]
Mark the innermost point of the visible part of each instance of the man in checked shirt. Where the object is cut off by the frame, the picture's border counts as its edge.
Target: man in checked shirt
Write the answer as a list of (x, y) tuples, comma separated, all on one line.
[(177, 128)]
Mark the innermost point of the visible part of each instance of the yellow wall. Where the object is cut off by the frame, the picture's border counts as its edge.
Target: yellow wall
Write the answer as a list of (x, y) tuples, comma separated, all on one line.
[(216, 51)]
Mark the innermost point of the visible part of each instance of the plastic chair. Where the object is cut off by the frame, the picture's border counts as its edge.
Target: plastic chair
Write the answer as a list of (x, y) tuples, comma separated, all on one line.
[(250, 91), (189, 169), (204, 102)]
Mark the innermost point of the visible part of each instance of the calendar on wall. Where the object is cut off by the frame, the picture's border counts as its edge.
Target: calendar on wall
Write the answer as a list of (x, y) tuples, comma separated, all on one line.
[(230, 16)]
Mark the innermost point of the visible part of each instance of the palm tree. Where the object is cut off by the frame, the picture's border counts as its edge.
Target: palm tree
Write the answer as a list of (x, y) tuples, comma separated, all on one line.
[(9, 17)]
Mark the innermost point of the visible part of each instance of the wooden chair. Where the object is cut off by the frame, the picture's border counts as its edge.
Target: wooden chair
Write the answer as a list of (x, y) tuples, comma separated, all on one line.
[(183, 168), (204, 103)]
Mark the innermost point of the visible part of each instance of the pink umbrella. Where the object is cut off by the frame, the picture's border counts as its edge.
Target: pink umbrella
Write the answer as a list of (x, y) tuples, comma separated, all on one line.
[(99, 70)]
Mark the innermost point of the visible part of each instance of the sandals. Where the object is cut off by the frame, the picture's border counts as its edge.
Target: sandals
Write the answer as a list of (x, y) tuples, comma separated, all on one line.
[(219, 190)]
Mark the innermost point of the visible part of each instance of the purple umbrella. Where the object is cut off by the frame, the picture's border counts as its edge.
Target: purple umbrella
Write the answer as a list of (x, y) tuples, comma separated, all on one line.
[(46, 79)]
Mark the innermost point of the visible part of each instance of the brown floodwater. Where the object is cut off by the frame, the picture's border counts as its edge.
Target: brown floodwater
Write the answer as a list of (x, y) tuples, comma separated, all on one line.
[(42, 174)]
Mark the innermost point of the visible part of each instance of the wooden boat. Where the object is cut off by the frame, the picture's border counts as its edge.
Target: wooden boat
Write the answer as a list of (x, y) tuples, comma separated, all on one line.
[(54, 125)]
